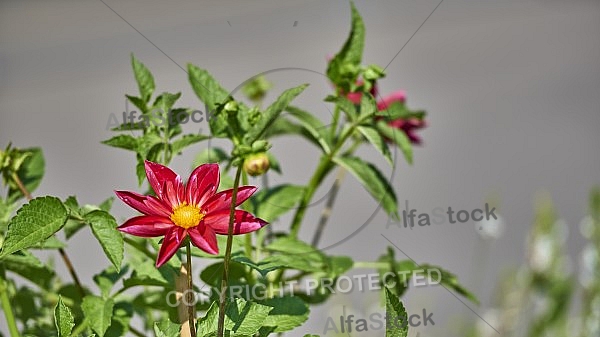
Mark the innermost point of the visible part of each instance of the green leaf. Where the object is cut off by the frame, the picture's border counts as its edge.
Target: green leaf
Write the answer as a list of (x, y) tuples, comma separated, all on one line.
[(29, 267), (395, 308), (63, 319), (210, 155), (185, 141), (313, 126), (345, 104), (139, 103), (107, 279), (344, 65), (144, 79), (30, 172), (288, 313), (34, 222), (451, 281), (166, 328), (398, 137), (164, 102), (105, 230), (126, 142), (276, 201), (98, 313), (368, 107), (373, 181), (272, 112), (242, 318), (206, 87), (377, 141)]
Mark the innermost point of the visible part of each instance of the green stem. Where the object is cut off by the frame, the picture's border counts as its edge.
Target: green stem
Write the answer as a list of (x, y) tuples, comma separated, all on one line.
[(322, 169), (326, 213), (190, 288), (334, 122), (320, 173), (78, 330), (6, 306), (225, 278), (370, 265)]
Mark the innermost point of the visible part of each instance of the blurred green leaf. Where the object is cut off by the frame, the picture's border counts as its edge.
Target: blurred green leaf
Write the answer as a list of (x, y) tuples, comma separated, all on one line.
[(377, 141), (98, 312), (30, 172), (274, 202), (373, 181), (166, 328), (398, 137), (144, 79), (185, 141), (272, 112), (313, 126)]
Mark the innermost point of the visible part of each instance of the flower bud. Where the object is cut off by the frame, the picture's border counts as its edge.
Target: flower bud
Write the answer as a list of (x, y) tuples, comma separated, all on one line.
[(256, 164)]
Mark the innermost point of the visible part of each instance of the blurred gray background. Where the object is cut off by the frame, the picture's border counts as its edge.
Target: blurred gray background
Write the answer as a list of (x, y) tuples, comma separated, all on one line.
[(511, 89)]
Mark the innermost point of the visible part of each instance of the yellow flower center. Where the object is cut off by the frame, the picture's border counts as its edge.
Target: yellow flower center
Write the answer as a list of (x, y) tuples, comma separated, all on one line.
[(186, 216)]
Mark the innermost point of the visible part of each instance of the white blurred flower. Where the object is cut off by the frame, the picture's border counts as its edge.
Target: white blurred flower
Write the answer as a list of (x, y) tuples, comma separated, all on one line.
[(490, 229), (541, 254), (587, 261), (586, 226), (491, 316)]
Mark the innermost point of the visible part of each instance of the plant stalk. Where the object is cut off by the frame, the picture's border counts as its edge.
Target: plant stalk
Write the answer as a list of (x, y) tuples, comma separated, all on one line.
[(190, 288), (326, 213), (6, 306), (225, 278)]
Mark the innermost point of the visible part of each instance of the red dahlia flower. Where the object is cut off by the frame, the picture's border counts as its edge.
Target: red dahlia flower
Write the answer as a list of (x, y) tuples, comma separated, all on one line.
[(194, 209), (407, 125)]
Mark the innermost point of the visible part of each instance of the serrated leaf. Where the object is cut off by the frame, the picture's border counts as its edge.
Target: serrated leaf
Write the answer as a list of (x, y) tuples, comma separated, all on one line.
[(206, 87), (313, 126), (288, 313), (30, 172), (377, 141), (144, 79), (105, 230), (166, 328), (126, 142), (351, 52), (276, 201), (395, 308), (451, 281), (185, 141), (373, 181), (63, 319), (98, 313), (34, 222), (140, 104), (242, 318), (345, 105), (272, 112), (398, 137)]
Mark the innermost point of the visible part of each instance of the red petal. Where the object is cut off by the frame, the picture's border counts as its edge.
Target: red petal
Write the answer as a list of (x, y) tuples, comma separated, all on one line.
[(143, 204), (204, 238), (397, 96), (244, 222), (203, 184), (170, 244), (158, 175), (222, 200), (146, 226)]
